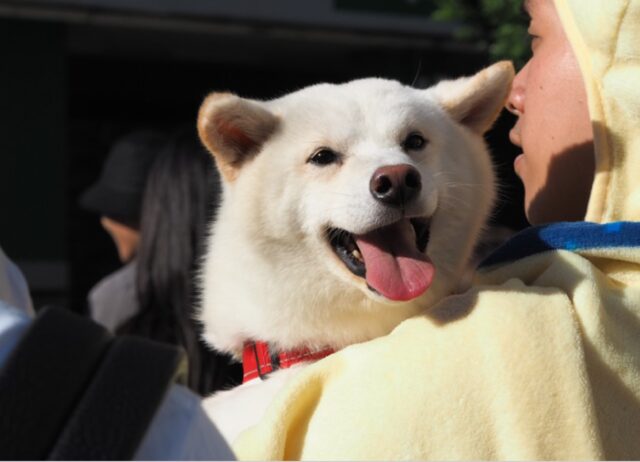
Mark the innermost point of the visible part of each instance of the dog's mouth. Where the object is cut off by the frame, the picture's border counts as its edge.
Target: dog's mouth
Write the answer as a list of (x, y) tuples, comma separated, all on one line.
[(391, 258)]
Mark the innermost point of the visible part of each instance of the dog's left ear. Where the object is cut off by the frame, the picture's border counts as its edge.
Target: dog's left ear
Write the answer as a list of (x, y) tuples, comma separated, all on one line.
[(476, 101), (234, 130)]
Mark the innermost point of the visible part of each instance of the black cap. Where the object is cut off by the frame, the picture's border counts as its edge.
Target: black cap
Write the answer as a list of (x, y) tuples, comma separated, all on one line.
[(118, 192)]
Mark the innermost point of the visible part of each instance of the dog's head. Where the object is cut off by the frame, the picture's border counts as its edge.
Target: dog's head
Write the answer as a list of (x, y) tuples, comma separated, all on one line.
[(346, 208)]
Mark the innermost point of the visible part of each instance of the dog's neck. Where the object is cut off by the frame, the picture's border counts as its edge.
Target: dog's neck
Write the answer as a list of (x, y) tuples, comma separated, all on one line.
[(259, 359)]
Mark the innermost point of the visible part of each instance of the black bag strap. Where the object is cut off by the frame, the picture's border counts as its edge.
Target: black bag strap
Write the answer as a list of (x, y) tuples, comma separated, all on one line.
[(70, 391), (43, 379), (117, 408)]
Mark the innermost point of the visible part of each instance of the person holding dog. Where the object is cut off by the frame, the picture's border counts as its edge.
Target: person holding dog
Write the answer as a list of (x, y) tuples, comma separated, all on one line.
[(540, 359)]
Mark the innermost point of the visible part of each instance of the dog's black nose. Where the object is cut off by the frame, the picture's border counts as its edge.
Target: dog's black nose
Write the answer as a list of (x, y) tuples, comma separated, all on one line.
[(395, 185)]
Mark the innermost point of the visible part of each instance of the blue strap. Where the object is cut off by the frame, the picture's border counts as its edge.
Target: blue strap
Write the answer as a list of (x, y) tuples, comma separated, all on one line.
[(574, 236)]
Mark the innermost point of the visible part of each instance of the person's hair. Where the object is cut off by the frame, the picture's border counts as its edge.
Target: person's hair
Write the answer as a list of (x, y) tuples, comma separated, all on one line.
[(180, 198)]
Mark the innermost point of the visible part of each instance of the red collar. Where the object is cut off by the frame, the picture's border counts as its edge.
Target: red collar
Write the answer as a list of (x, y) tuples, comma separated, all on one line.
[(258, 361)]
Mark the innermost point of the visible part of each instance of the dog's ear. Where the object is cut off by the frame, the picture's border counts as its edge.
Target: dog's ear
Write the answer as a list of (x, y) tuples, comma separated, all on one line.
[(234, 130), (476, 101)]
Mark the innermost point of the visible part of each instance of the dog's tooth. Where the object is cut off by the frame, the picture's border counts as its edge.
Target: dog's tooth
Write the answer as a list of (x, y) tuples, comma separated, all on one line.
[(356, 253)]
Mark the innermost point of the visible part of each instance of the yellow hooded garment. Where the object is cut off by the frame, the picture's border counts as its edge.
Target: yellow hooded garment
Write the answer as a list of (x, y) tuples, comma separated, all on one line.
[(541, 359)]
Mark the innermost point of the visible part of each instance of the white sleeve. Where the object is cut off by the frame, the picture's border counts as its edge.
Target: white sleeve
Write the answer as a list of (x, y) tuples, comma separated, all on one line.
[(13, 325), (13, 287), (182, 431)]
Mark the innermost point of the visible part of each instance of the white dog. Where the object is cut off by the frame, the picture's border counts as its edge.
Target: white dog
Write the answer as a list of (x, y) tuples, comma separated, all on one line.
[(346, 209)]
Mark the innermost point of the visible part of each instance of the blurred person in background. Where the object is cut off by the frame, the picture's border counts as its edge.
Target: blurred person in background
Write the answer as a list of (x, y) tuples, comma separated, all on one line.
[(180, 198), (117, 198)]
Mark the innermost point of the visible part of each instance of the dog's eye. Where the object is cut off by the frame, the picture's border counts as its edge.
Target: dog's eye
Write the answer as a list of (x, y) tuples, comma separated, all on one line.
[(323, 157), (414, 142)]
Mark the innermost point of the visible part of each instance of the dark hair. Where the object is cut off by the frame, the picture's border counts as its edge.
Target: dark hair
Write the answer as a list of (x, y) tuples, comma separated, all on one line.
[(180, 198)]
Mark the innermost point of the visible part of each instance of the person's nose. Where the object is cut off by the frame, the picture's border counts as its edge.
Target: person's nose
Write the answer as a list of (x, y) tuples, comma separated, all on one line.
[(515, 102)]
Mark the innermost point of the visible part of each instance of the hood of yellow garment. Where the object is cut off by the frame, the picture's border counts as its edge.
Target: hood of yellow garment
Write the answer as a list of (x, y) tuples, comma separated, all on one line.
[(605, 35)]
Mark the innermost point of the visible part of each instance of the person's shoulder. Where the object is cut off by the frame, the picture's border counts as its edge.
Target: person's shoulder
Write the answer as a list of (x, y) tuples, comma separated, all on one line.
[(484, 310), (466, 331), (122, 277), (113, 300), (445, 365)]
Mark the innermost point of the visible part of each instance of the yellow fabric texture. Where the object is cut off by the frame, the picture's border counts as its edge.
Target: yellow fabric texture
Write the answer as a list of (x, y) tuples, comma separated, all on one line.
[(540, 360), (605, 35)]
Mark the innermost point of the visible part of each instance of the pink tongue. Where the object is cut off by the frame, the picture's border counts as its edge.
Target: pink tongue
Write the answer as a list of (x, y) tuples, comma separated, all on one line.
[(395, 267)]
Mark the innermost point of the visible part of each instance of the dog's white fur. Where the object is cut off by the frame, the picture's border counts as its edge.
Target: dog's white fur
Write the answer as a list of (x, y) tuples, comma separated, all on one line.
[(270, 274)]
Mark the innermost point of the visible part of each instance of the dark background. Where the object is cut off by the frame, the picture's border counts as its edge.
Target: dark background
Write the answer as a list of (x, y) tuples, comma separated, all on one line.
[(76, 75)]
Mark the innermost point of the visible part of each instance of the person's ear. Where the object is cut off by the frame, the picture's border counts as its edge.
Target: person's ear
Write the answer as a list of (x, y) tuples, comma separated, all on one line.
[(476, 101), (234, 130)]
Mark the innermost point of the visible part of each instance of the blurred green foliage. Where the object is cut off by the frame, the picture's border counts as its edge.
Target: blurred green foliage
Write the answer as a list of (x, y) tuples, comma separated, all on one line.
[(498, 25)]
